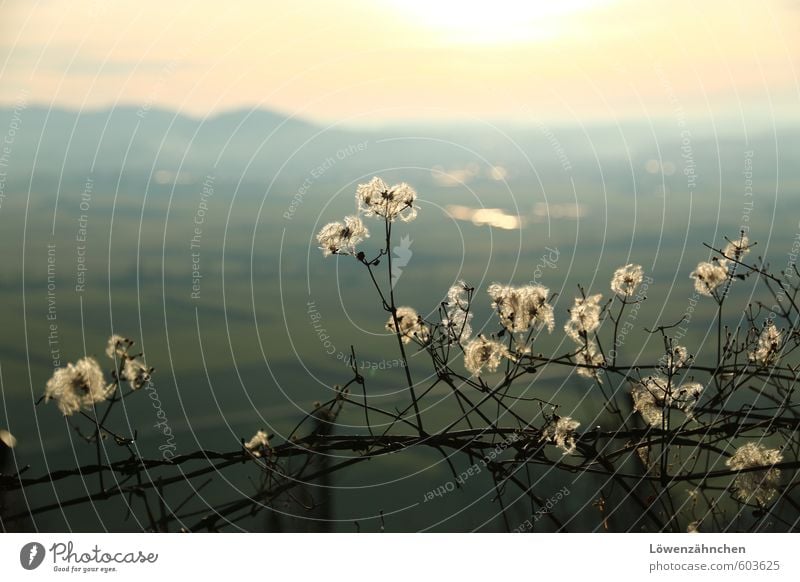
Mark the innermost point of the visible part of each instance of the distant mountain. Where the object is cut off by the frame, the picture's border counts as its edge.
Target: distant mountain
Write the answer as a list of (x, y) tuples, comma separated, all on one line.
[(139, 140), (259, 146)]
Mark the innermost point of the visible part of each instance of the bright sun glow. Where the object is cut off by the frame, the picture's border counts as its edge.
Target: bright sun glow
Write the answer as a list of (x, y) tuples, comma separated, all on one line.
[(493, 21)]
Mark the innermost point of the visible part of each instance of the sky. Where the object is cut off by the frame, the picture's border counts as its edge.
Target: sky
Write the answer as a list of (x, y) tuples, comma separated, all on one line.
[(378, 61)]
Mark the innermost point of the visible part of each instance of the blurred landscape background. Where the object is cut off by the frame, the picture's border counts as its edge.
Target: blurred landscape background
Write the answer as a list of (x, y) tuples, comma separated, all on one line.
[(173, 195)]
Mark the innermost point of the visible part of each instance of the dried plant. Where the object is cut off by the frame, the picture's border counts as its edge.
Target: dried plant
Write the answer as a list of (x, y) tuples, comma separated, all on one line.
[(683, 446)]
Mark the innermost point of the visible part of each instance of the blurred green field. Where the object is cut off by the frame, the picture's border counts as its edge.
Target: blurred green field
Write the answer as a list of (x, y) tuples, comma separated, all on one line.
[(245, 354)]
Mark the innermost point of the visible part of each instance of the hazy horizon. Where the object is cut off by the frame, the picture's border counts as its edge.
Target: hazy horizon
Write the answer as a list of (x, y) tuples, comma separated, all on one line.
[(370, 63), (723, 123)]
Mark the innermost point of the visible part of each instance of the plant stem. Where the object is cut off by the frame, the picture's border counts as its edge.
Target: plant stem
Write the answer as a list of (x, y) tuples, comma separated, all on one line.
[(398, 335)]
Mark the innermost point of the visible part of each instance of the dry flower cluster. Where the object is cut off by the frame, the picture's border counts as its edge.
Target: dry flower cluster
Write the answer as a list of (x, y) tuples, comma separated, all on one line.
[(721, 427)]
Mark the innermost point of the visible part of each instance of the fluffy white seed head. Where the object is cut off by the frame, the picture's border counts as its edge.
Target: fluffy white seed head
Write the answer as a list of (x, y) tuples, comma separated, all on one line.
[(409, 324), (708, 276), (457, 324), (758, 486), (685, 397), (457, 295), (769, 344), (342, 238), (522, 308), (584, 317), (649, 400), (589, 355), (736, 249), (7, 439), (117, 346), (78, 385), (137, 373), (674, 359), (484, 355), (627, 279), (654, 394), (258, 444), (562, 433), (376, 198)]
